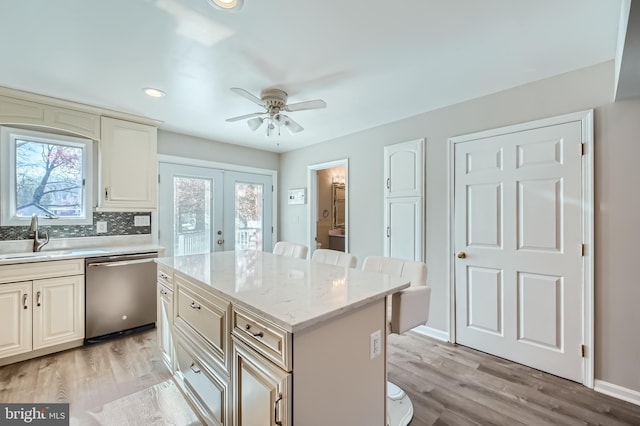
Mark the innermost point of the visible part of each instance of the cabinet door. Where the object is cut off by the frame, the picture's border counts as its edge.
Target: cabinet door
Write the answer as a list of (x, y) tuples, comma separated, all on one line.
[(15, 317), (404, 169), (164, 323), (261, 391), (58, 310), (403, 221), (128, 165)]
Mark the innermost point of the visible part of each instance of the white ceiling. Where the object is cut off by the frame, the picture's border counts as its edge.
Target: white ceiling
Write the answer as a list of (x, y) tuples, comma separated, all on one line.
[(373, 62)]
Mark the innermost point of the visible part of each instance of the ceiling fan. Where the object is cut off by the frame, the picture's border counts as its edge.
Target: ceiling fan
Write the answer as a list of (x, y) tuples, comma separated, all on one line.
[(274, 101)]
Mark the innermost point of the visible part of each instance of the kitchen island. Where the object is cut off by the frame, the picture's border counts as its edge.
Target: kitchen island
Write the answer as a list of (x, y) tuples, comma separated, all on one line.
[(255, 338)]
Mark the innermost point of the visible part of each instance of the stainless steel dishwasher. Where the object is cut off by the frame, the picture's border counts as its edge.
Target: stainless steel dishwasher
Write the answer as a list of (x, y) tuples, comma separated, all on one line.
[(120, 293)]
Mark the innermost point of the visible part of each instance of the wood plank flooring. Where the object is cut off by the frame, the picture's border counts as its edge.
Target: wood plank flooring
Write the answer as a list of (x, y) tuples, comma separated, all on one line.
[(124, 382), (455, 385)]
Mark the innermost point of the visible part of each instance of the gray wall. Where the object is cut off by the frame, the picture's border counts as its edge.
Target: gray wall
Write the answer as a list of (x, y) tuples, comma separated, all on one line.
[(617, 354), (180, 145)]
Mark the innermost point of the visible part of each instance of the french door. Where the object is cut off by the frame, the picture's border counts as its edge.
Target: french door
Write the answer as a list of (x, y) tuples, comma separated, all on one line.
[(202, 210)]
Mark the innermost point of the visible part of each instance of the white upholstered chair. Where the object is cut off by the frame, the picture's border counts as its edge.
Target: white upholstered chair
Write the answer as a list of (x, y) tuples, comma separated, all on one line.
[(290, 249), (334, 257), (409, 308)]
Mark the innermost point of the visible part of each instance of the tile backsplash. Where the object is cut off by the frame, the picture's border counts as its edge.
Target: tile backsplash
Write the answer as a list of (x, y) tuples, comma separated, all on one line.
[(118, 223)]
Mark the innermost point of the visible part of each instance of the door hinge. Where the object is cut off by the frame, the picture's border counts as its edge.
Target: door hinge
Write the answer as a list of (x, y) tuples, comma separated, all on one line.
[(158, 177), (583, 148), (582, 350), (582, 250)]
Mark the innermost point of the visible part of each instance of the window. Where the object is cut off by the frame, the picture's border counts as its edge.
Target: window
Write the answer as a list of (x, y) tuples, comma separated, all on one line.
[(46, 174)]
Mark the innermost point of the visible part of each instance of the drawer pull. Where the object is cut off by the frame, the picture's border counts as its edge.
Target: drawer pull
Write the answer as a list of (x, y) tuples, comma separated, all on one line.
[(248, 328), (164, 276), (24, 301), (194, 306), (195, 368), (163, 292), (38, 298), (276, 411)]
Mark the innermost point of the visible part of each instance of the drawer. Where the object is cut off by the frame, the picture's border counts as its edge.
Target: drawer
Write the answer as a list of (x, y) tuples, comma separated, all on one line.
[(165, 276), (38, 270), (203, 316), (266, 338), (207, 388)]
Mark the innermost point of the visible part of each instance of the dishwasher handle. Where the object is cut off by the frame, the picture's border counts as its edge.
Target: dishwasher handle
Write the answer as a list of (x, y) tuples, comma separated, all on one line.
[(122, 262)]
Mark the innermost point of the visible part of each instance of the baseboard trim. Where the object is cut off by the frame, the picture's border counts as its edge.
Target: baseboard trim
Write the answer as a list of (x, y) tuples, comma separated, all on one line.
[(432, 332), (616, 391)]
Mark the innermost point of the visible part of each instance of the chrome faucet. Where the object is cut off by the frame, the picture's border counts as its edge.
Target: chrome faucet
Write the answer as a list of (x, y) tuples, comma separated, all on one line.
[(33, 229)]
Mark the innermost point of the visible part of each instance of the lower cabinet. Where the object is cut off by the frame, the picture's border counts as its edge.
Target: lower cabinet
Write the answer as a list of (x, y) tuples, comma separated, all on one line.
[(164, 323), (41, 313), (261, 390), (206, 386)]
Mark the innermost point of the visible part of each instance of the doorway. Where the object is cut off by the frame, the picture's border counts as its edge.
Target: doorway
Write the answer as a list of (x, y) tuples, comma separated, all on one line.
[(522, 217), (206, 210), (328, 206)]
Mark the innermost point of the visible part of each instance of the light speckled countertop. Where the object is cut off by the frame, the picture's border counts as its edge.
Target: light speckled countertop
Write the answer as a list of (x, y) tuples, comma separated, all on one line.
[(75, 253), (292, 293)]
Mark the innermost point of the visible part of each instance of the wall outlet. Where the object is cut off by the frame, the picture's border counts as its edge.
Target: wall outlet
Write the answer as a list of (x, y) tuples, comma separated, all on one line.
[(101, 227), (141, 221), (375, 346)]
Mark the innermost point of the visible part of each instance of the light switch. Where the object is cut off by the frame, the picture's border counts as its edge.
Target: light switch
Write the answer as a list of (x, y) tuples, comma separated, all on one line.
[(101, 227), (141, 221)]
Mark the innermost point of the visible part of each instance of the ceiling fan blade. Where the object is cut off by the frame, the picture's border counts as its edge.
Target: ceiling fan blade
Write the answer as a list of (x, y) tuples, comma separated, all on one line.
[(315, 104), (292, 125), (244, 117), (248, 96)]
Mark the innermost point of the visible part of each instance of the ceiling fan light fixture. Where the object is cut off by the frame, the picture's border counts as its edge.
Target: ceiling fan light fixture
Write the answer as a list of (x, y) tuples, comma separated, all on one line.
[(254, 123), (232, 5)]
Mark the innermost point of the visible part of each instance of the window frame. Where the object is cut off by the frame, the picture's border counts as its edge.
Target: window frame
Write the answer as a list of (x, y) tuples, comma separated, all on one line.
[(8, 136)]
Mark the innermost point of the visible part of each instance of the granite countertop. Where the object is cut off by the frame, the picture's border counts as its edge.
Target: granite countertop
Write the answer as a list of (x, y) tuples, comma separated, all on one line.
[(75, 253), (292, 293)]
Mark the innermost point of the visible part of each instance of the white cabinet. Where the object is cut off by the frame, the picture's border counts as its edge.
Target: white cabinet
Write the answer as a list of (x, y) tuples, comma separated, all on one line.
[(128, 165), (18, 111), (261, 389), (164, 321), (41, 307), (15, 317), (404, 200), (58, 310)]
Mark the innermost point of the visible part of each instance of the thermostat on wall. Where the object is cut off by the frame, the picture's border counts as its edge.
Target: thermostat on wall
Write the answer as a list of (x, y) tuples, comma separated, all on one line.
[(296, 196)]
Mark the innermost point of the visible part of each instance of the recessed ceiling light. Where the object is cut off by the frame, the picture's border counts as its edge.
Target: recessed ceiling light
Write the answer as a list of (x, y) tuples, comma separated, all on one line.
[(154, 93), (226, 4)]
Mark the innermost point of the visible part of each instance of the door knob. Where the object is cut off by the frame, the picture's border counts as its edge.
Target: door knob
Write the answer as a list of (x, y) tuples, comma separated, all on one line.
[(461, 255)]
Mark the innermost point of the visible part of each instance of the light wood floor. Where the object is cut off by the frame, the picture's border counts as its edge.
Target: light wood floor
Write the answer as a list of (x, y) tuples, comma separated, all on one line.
[(122, 382), (455, 385)]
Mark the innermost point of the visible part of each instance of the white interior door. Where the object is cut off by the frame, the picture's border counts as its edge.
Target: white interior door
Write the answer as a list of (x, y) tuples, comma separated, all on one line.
[(518, 238)]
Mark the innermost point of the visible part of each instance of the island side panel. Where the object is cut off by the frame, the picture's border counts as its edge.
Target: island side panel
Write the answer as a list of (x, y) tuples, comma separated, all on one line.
[(334, 380)]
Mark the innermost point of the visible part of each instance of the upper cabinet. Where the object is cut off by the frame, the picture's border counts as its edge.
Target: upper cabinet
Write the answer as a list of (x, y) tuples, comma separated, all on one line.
[(21, 112), (404, 169), (128, 165)]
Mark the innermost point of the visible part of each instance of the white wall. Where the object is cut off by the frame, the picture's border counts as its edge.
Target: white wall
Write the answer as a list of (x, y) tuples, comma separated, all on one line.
[(180, 145), (617, 354)]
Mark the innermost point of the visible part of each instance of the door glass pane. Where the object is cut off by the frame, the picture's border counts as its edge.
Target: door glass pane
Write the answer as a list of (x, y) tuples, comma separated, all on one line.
[(192, 215), (248, 211)]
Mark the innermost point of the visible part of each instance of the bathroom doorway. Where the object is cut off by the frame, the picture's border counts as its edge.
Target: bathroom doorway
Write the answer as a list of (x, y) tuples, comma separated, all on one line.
[(328, 206)]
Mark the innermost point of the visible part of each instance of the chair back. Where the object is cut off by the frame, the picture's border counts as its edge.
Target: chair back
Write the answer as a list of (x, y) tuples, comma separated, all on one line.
[(409, 307), (334, 257), (284, 248)]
